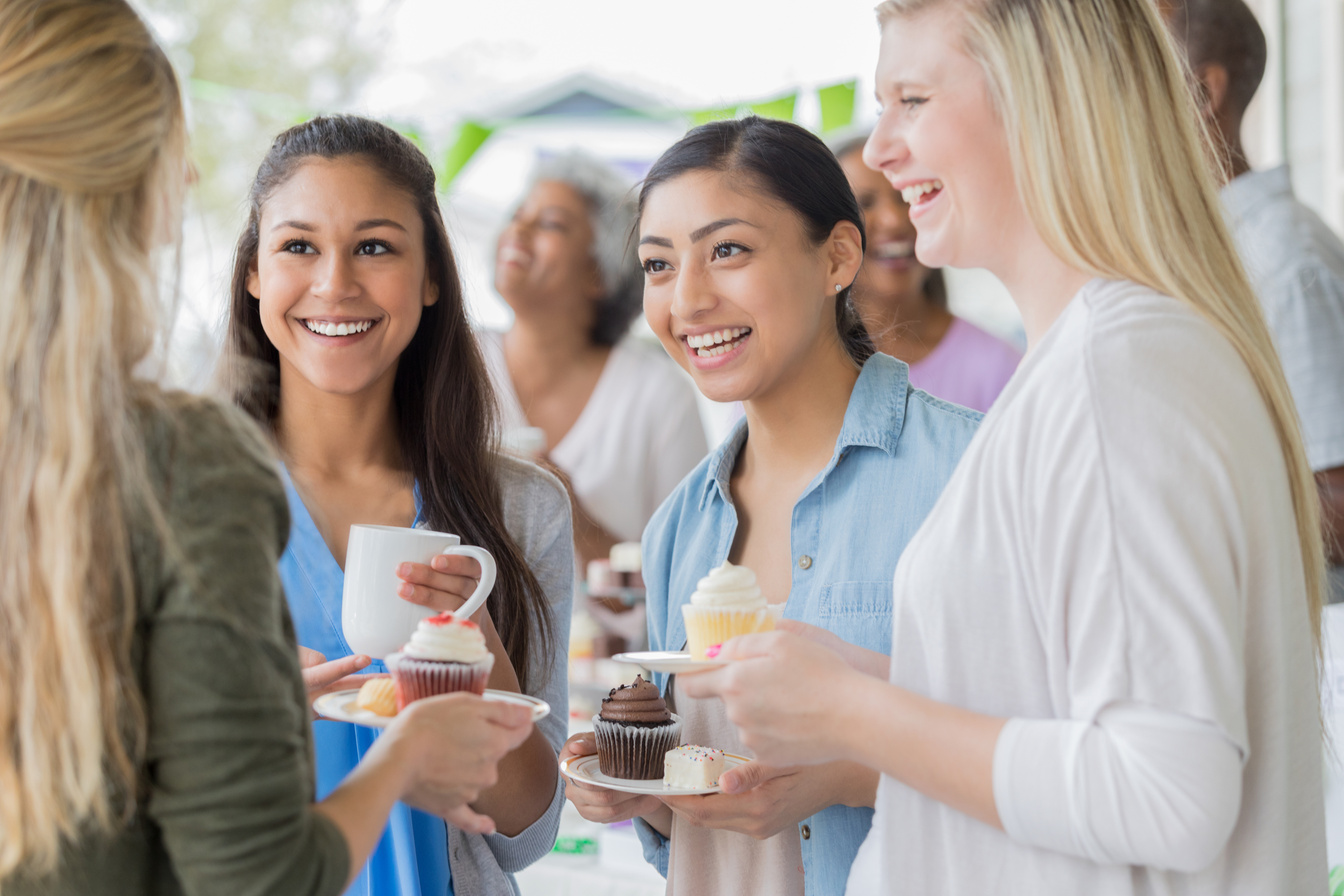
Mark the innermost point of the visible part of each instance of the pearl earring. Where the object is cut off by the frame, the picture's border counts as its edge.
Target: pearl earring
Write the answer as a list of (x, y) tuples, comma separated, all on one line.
[(838, 287)]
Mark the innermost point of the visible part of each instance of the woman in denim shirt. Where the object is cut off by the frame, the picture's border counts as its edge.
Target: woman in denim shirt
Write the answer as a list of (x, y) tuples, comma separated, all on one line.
[(750, 238)]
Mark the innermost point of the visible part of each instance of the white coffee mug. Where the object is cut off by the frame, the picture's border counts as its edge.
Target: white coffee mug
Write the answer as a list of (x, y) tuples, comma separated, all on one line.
[(378, 621)]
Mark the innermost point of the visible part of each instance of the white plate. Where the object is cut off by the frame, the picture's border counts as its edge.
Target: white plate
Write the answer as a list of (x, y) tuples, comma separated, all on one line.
[(342, 706), (585, 769), (668, 661)]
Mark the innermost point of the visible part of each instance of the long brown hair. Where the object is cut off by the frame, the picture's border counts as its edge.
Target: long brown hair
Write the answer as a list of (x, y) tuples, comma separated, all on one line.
[(92, 165), (445, 407)]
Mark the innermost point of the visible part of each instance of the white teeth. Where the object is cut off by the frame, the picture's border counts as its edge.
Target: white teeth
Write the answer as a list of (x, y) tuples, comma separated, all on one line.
[(720, 342), (901, 249), (708, 340), (326, 328), (913, 193)]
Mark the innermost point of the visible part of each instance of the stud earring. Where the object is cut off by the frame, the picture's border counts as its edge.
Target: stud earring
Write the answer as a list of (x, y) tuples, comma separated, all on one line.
[(838, 287)]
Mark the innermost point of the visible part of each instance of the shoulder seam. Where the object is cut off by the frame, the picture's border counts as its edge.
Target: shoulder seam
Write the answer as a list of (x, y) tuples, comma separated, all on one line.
[(1090, 384)]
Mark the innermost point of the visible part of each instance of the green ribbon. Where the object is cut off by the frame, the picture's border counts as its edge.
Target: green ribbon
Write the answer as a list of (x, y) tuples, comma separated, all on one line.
[(704, 116), (470, 136), (781, 108), (837, 106)]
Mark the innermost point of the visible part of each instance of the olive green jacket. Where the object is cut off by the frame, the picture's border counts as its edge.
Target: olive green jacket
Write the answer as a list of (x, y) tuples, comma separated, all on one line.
[(227, 787)]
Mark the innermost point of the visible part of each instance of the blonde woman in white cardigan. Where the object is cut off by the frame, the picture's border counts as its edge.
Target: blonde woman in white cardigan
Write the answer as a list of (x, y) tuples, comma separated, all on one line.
[(1102, 676)]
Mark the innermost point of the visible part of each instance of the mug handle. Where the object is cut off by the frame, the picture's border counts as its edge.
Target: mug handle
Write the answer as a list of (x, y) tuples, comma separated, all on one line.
[(487, 581)]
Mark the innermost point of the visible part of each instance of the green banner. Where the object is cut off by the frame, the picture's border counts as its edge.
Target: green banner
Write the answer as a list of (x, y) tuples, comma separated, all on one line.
[(704, 116), (470, 136), (781, 108), (837, 106)]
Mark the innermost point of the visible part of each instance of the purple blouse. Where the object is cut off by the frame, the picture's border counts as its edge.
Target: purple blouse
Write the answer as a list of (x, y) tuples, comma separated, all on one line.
[(968, 366)]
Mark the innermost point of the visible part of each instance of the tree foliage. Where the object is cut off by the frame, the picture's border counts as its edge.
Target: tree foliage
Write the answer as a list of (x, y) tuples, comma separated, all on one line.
[(253, 68)]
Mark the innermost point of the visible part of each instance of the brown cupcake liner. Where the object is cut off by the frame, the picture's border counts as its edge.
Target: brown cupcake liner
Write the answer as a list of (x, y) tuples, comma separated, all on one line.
[(634, 753), (415, 679)]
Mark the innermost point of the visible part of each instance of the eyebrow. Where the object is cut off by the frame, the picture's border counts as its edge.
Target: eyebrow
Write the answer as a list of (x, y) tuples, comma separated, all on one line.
[(379, 222), (362, 225), (696, 235)]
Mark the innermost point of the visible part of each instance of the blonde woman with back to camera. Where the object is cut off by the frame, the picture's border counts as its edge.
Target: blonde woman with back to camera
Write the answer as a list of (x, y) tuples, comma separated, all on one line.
[(1114, 691), (156, 732)]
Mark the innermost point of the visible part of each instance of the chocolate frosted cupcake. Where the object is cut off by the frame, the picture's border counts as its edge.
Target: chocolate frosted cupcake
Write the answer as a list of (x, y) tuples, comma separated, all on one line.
[(634, 732)]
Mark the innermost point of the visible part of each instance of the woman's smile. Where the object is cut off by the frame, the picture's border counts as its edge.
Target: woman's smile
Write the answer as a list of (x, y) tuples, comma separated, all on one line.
[(341, 331), (712, 349)]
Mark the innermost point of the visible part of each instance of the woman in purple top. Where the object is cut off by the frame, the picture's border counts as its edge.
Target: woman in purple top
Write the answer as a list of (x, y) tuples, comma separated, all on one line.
[(903, 304)]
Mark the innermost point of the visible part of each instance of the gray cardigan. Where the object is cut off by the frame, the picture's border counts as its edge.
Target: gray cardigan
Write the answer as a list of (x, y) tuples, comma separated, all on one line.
[(537, 515)]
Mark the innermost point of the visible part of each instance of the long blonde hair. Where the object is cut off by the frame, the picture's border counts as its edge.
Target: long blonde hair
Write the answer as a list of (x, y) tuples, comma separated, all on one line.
[(92, 149), (1117, 172)]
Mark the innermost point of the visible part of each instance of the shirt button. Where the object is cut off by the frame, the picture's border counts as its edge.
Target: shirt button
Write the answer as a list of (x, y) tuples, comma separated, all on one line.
[(804, 562), (806, 832)]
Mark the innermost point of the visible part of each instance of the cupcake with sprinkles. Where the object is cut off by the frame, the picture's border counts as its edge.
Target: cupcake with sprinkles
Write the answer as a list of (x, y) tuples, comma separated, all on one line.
[(446, 653)]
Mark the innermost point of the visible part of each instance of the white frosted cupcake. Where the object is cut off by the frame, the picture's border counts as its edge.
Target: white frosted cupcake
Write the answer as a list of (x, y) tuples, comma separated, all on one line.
[(446, 653), (726, 603)]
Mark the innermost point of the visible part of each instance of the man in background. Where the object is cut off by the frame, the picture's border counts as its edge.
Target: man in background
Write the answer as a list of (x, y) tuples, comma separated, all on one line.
[(1295, 262)]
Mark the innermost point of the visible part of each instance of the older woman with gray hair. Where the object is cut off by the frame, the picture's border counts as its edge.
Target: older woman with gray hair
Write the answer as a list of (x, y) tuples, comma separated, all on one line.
[(613, 414)]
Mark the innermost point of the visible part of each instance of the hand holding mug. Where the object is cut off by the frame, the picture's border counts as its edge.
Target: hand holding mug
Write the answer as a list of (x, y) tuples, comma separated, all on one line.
[(446, 583), (375, 618)]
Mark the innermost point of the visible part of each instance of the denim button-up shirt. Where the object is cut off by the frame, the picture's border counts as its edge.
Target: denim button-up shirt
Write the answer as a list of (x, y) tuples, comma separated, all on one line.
[(896, 449)]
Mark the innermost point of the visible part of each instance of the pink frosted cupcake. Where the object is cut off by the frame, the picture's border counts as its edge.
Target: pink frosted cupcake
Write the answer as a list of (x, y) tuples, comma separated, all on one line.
[(445, 654)]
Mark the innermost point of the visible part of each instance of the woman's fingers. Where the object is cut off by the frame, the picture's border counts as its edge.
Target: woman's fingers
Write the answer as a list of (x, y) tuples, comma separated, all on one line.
[(464, 819), (747, 646), (601, 804), (438, 590), (582, 744), (320, 676), (308, 657)]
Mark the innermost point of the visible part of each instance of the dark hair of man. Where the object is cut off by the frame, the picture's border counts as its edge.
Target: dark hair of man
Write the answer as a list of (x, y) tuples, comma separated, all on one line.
[(935, 287), (1223, 32), (445, 409), (786, 163)]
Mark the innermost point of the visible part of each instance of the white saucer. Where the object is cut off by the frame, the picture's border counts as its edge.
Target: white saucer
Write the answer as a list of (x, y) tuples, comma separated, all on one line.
[(341, 706), (585, 769), (668, 661)]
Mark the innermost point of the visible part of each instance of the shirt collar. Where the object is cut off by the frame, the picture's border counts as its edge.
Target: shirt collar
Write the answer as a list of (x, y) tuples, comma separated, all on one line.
[(1243, 194), (873, 419)]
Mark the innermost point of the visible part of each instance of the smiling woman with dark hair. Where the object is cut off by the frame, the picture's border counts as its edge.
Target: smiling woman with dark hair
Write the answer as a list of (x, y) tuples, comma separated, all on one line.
[(351, 347), (749, 232), (614, 415)]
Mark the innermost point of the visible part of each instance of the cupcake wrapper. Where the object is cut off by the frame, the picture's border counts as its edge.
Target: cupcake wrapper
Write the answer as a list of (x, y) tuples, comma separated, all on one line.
[(637, 754), (708, 626), (415, 679)]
